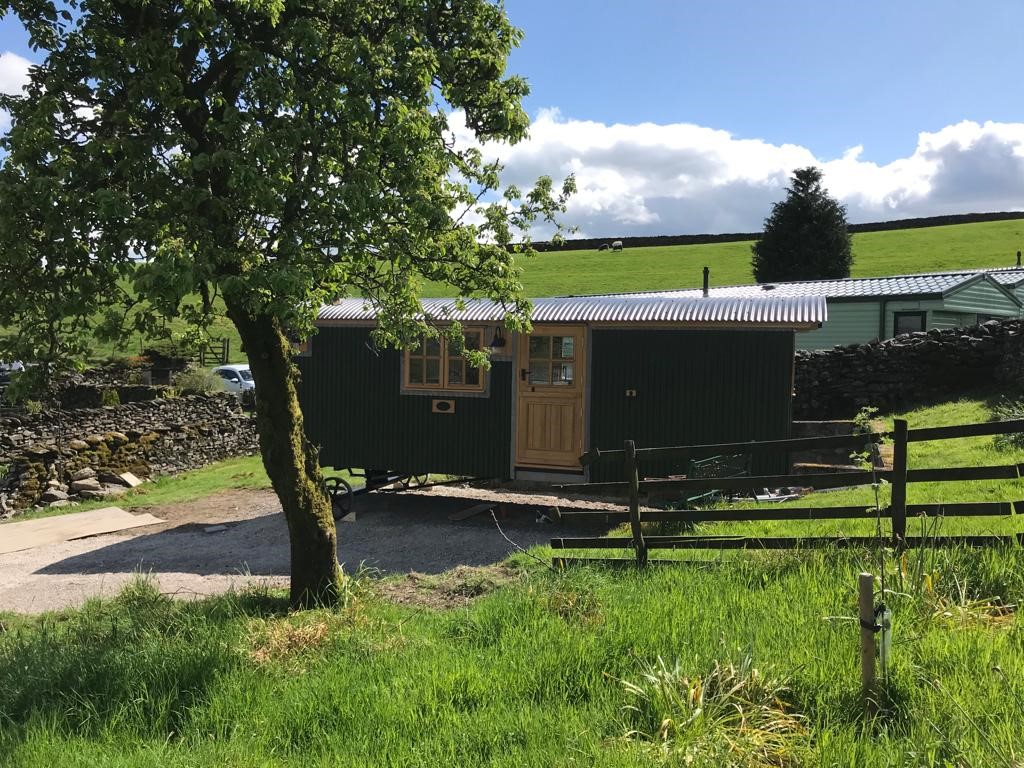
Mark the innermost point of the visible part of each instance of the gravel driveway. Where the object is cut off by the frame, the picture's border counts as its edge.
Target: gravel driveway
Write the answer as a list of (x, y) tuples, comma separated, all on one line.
[(393, 533)]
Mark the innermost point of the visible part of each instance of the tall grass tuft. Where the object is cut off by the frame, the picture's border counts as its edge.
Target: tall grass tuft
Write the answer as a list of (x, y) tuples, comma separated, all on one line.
[(732, 715)]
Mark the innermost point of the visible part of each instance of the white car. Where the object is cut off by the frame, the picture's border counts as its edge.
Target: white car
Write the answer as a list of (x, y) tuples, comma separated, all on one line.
[(237, 377), (6, 369)]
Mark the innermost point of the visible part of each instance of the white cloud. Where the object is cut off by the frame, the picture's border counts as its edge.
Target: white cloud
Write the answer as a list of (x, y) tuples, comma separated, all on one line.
[(13, 72), (13, 77), (681, 178)]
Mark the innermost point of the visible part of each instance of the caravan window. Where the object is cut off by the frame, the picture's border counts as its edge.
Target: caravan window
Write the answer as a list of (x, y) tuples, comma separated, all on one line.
[(907, 322), (437, 363)]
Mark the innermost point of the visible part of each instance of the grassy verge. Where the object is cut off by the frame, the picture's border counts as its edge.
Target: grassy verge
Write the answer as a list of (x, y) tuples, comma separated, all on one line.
[(748, 664), (242, 473), (239, 473)]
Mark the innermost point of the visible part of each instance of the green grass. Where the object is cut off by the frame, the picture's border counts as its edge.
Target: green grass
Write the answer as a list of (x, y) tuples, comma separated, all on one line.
[(245, 472), (962, 452), (581, 667), (238, 473), (531, 675), (929, 249)]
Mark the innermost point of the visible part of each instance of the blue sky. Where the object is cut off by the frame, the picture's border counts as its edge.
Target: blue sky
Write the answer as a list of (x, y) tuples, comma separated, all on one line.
[(825, 75), (690, 116)]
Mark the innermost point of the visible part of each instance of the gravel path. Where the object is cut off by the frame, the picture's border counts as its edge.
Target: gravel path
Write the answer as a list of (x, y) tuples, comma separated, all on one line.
[(393, 533)]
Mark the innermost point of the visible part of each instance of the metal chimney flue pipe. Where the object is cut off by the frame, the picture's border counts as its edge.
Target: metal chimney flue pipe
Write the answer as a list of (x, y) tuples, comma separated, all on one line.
[(707, 271)]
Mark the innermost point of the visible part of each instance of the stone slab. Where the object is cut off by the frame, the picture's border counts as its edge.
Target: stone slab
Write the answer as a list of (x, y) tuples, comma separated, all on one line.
[(77, 525), (129, 480)]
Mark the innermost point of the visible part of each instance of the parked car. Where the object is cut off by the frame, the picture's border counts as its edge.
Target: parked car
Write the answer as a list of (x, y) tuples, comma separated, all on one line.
[(6, 369), (237, 377)]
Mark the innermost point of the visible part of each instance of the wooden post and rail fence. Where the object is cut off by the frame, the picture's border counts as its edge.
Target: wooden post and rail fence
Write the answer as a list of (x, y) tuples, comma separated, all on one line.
[(899, 476)]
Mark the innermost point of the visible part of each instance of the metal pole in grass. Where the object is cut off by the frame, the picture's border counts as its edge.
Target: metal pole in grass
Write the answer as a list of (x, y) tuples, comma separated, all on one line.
[(866, 594), (633, 477)]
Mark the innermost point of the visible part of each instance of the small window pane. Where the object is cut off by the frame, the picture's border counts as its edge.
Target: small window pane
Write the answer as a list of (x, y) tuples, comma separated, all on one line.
[(455, 372), (909, 323), (472, 341), (540, 372), (540, 347), (433, 347), (472, 376), (433, 371), (562, 373), (564, 348), (415, 370), (417, 347)]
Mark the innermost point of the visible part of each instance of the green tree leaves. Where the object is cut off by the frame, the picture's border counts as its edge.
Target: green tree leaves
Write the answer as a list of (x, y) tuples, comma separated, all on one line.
[(280, 154)]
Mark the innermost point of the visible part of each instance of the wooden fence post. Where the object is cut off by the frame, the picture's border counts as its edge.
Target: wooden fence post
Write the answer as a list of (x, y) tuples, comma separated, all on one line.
[(866, 602), (898, 504), (633, 478)]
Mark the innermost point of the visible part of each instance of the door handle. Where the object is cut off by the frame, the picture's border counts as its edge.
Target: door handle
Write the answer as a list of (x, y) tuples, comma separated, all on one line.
[(522, 374)]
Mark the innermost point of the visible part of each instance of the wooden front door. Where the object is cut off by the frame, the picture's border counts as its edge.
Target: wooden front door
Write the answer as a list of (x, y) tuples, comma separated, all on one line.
[(549, 414)]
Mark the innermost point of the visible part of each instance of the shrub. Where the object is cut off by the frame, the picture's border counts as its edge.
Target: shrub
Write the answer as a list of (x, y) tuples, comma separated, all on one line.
[(198, 381), (110, 397), (33, 407), (1007, 410)]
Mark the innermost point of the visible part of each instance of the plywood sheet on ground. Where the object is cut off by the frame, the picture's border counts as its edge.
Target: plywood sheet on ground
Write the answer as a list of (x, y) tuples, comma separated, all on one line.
[(76, 525)]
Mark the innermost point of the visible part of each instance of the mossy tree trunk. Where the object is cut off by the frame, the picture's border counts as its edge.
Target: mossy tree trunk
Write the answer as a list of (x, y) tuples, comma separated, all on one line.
[(291, 461)]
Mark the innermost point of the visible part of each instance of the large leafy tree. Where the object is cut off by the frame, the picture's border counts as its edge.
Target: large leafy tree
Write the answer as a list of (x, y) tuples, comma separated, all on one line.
[(805, 237), (273, 155)]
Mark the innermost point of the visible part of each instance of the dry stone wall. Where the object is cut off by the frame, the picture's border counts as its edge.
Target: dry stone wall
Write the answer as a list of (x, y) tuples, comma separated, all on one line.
[(908, 370), (48, 453)]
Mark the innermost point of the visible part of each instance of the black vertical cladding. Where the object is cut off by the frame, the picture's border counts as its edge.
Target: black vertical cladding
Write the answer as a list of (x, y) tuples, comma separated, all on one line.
[(691, 387), (355, 411)]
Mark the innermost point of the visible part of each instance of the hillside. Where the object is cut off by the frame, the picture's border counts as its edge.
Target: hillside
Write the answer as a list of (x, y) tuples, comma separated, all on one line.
[(931, 249)]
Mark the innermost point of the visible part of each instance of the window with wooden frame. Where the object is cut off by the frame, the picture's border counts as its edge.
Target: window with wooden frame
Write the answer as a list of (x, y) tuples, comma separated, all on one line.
[(437, 363)]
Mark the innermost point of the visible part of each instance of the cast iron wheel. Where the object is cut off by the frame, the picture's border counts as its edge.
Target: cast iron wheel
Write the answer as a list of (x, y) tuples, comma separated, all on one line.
[(340, 493)]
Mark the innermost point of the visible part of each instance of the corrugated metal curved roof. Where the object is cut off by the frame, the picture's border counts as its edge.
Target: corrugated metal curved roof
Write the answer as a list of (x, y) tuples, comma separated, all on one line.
[(779, 311)]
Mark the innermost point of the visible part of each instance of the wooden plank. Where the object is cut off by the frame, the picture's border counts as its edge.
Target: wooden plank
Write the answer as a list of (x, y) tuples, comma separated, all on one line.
[(956, 474), (965, 509), (29, 534), (714, 449), (965, 430), (787, 542), (809, 443), (899, 478), (730, 515), (476, 509), (615, 562), (819, 480), (624, 542)]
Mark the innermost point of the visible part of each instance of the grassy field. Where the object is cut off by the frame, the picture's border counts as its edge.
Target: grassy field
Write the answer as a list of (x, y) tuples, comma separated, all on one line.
[(930, 249), (749, 660)]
